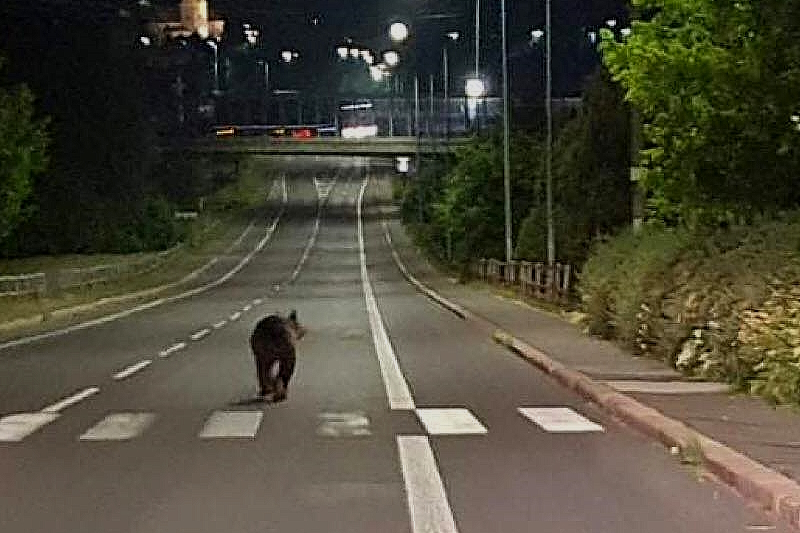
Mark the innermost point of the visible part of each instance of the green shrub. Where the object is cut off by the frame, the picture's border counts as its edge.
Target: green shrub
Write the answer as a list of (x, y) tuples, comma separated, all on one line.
[(622, 281), (720, 304)]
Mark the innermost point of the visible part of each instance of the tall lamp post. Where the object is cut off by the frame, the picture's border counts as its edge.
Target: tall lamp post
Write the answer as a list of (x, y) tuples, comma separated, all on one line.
[(551, 234), (506, 151)]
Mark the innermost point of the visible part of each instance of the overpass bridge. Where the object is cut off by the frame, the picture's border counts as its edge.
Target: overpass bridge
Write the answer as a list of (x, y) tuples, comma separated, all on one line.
[(265, 145)]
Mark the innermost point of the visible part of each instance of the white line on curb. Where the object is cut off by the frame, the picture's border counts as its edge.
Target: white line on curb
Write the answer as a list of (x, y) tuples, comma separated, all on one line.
[(122, 374), (393, 379), (71, 400)]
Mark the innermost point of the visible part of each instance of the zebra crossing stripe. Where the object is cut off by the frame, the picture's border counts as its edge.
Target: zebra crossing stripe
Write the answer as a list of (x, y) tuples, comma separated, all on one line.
[(559, 419), (14, 428), (119, 426), (450, 421), (232, 424)]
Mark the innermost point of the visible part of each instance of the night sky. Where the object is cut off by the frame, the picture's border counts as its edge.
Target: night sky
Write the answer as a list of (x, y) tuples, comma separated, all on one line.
[(288, 23)]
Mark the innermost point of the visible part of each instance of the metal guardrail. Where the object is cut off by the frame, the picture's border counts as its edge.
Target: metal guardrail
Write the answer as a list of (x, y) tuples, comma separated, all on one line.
[(40, 283), (23, 285), (532, 279)]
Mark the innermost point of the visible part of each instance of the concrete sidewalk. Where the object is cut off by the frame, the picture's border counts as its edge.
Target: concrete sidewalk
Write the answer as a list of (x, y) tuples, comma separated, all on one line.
[(744, 424)]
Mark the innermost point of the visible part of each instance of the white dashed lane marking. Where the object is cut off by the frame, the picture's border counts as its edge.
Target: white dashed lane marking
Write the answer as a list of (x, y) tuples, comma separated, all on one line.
[(258, 301), (172, 349), (119, 426), (235, 316), (220, 324), (450, 421), (232, 424), (122, 374), (14, 428), (71, 400), (200, 334), (247, 307), (559, 419)]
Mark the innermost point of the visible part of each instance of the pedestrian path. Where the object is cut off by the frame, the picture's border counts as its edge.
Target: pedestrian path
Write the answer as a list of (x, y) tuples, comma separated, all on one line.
[(245, 424)]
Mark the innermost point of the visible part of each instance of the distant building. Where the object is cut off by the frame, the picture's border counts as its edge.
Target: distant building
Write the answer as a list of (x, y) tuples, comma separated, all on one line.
[(194, 19)]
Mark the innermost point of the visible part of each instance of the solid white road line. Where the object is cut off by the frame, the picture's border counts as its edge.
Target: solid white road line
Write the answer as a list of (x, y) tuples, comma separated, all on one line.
[(427, 501), (119, 426), (200, 334), (122, 374), (559, 419), (72, 400), (393, 379), (220, 324), (235, 316), (14, 428), (450, 421), (232, 424), (172, 349)]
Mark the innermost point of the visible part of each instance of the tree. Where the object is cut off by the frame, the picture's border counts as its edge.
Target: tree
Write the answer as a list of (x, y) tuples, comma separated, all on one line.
[(592, 190), (716, 86), (23, 143)]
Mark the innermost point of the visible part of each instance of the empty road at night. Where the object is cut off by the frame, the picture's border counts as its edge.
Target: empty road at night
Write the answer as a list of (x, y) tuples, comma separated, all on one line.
[(400, 418)]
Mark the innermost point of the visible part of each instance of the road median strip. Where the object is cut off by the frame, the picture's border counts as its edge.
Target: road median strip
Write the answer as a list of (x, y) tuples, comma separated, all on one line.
[(770, 489)]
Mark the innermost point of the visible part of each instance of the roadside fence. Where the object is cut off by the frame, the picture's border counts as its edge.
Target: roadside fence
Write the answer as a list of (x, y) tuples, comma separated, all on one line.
[(531, 279), (40, 284)]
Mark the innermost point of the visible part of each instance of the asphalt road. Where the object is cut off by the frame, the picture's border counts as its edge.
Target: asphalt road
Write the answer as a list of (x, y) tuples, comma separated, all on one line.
[(400, 417)]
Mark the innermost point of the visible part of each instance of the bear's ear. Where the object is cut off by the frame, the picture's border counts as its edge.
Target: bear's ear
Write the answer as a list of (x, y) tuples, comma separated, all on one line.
[(293, 316)]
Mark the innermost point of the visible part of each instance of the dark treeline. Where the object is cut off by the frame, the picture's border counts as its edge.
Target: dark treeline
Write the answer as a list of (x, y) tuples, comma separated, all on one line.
[(106, 188)]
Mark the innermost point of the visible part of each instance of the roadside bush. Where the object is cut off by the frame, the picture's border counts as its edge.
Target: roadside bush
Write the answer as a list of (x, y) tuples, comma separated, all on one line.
[(624, 279), (721, 305)]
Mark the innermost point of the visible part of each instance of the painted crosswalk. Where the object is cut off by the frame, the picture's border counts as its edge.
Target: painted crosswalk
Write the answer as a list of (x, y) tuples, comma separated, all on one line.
[(232, 425), (440, 422)]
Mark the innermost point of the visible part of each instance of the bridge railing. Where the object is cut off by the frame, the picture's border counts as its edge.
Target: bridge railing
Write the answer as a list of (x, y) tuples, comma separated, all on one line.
[(533, 279)]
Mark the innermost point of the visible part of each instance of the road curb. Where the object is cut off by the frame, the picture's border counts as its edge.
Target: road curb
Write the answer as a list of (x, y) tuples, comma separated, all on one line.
[(771, 490)]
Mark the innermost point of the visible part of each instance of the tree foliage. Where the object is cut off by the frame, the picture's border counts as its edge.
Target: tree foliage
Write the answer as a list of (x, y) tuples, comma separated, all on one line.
[(23, 143), (591, 185), (716, 85)]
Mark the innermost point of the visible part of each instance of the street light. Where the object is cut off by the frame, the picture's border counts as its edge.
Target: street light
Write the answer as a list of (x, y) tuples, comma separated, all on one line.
[(506, 151), (398, 32), (391, 58)]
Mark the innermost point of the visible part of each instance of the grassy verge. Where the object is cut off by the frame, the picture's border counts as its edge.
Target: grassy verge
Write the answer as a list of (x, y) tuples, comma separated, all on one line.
[(228, 212)]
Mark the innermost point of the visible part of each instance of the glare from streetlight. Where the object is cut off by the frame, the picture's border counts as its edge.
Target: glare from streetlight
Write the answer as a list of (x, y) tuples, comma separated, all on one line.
[(536, 35), (354, 53), (592, 35), (365, 55), (376, 73), (391, 58), (475, 88), (287, 56), (145, 40), (625, 32), (398, 32), (343, 52), (611, 23), (454, 35)]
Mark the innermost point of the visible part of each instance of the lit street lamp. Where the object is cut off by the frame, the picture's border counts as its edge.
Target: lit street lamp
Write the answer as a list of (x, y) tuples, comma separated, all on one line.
[(391, 58), (398, 32)]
